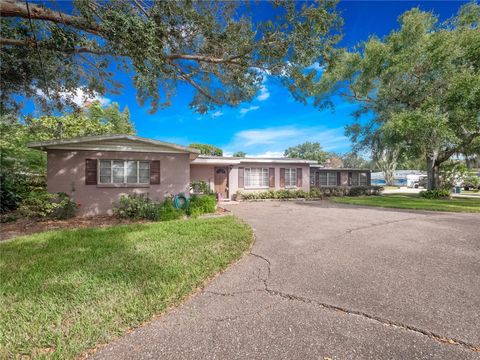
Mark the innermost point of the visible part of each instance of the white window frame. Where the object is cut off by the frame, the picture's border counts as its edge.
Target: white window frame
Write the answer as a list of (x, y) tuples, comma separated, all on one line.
[(359, 179), (124, 172), (331, 178), (361, 176), (322, 175), (248, 171), (291, 177), (355, 179)]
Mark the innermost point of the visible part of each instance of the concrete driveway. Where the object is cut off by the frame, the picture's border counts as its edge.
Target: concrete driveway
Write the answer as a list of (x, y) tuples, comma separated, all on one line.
[(326, 281)]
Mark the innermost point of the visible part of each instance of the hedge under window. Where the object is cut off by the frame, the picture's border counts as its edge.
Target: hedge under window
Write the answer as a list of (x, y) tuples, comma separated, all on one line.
[(124, 172), (256, 177)]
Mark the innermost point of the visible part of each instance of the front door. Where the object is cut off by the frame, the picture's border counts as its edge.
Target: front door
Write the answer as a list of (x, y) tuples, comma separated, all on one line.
[(221, 179)]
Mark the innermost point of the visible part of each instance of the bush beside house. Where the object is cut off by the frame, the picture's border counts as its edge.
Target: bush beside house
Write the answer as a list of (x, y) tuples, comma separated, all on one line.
[(45, 206), (314, 193), (141, 207)]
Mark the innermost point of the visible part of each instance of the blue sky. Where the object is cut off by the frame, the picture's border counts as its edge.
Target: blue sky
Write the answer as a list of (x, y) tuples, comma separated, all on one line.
[(273, 121)]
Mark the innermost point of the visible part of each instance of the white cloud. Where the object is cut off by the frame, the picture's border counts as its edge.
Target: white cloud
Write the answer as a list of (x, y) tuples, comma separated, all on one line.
[(265, 136), (79, 97), (267, 154), (264, 94), (217, 114), (272, 142), (244, 111), (316, 66)]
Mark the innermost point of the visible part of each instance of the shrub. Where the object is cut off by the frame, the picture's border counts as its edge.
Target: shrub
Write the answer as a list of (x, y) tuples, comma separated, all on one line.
[(141, 207), (166, 211), (200, 187), (435, 194), (42, 205), (65, 207), (6, 218), (15, 186), (201, 204), (352, 190), (315, 193), (274, 194), (134, 206), (471, 182)]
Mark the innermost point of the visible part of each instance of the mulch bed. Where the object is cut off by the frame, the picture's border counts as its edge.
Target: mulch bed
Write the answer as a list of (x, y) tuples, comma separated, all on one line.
[(27, 226)]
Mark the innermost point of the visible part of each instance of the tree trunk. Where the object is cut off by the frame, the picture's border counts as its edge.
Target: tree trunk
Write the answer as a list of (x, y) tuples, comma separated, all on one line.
[(433, 175)]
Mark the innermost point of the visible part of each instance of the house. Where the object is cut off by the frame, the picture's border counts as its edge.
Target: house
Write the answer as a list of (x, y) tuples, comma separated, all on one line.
[(97, 170)]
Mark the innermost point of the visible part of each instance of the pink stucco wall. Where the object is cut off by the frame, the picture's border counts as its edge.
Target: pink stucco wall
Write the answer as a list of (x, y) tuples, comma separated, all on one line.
[(203, 172), (233, 176), (66, 173)]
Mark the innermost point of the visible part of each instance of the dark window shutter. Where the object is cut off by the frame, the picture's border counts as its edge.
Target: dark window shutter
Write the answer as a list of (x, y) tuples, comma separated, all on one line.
[(90, 171), (339, 178), (282, 177), (349, 178), (271, 177), (369, 178), (241, 178), (299, 177), (155, 172)]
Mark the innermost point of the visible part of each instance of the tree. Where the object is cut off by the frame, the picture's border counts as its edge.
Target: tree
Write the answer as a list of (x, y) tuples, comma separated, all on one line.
[(386, 159), (206, 149), (354, 161), (92, 120), (20, 166), (49, 52), (307, 150), (239, 154), (421, 83), (334, 160)]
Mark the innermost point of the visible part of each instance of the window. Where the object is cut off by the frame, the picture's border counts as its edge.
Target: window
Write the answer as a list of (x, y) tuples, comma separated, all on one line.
[(290, 177), (256, 177), (362, 179), (359, 179), (124, 172), (332, 178), (327, 178), (322, 178)]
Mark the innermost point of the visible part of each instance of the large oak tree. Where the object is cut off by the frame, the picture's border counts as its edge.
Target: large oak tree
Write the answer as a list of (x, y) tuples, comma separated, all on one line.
[(50, 50), (420, 85)]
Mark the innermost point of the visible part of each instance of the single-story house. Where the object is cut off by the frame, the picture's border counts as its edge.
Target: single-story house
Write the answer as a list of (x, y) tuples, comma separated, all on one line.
[(97, 170)]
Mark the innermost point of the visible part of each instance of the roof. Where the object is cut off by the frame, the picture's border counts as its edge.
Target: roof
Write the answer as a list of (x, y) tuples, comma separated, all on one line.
[(230, 160), (321, 167), (120, 142)]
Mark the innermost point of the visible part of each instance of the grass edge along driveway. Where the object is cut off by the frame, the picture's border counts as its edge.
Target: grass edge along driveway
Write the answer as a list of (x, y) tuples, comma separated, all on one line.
[(413, 201), (64, 292)]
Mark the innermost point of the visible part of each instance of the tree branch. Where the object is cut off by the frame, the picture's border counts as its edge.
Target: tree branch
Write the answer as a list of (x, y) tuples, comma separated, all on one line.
[(138, 5), (12, 8), (188, 79), (32, 43), (204, 58)]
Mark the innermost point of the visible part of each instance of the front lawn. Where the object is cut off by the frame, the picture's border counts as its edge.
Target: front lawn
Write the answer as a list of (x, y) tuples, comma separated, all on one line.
[(63, 292), (413, 201)]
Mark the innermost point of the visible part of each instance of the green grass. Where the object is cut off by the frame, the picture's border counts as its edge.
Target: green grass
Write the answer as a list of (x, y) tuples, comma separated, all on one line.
[(413, 201), (471, 192), (63, 292)]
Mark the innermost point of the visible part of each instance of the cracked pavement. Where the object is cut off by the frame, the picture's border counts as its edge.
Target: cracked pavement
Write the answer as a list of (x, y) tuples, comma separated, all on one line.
[(331, 281)]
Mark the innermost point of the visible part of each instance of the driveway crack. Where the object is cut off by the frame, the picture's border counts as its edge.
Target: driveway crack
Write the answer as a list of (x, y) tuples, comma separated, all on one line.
[(384, 321), (349, 231)]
